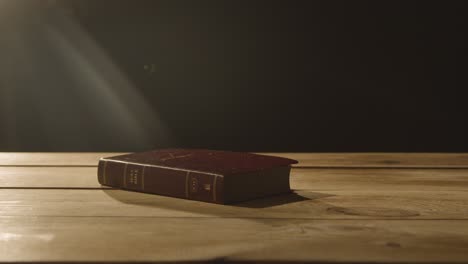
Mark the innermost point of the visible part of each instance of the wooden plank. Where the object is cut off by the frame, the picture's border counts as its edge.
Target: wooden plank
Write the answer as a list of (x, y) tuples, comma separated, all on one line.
[(317, 160), (49, 177), (305, 204), (125, 239), (337, 215), (52, 158), (379, 179), (380, 160), (304, 179)]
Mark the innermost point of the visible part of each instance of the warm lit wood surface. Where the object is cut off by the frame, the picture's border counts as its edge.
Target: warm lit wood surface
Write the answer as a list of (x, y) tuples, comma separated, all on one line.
[(314, 160), (348, 208)]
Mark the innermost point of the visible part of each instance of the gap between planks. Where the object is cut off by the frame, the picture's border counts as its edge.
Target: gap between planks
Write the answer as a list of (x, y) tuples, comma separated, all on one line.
[(243, 218), (358, 167)]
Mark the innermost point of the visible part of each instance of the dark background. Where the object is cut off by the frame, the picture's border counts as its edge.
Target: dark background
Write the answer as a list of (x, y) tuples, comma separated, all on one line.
[(241, 75)]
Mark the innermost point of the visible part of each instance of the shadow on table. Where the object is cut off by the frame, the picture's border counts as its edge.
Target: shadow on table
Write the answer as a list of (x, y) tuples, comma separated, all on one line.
[(274, 200), (278, 205)]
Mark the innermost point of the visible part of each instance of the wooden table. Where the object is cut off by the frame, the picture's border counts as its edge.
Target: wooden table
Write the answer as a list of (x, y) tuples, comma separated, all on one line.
[(366, 207)]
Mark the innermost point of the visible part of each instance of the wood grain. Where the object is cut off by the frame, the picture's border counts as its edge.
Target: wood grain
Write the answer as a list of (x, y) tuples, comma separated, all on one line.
[(379, 160), (379, 179), (348, 208), (317, 160), (303, 179), (363, 204), (68, 159), (49, 177), (126, 239)]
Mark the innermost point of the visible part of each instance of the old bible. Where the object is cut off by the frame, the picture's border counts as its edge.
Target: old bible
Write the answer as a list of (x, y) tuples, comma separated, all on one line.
[(205, 175)]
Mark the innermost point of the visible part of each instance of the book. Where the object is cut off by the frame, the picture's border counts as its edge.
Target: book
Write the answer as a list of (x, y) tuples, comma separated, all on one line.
[(221, 177)]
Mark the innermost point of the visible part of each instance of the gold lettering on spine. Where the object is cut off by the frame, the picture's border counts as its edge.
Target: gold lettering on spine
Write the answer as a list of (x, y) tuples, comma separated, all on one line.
[(143, 178), (125, 175), (214, 187), (104, 178), (187, 184)]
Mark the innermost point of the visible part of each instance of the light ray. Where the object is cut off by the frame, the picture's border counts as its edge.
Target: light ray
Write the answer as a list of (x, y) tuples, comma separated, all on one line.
[(70, 86)]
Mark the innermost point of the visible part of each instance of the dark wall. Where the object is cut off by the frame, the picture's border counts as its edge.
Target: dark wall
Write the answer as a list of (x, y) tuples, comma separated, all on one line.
[(236, 75)]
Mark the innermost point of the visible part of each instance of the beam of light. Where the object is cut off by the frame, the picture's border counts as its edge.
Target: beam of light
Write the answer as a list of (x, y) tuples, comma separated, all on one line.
[(56, 77)]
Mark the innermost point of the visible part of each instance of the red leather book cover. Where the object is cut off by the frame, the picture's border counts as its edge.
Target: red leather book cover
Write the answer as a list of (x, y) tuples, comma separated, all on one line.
[(205, 175)]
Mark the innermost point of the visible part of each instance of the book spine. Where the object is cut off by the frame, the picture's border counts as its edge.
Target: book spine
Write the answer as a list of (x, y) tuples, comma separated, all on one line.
[(160, 180)]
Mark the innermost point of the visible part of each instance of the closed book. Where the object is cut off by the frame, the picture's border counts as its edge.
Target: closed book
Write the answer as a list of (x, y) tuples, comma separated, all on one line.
[(205, 175)]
